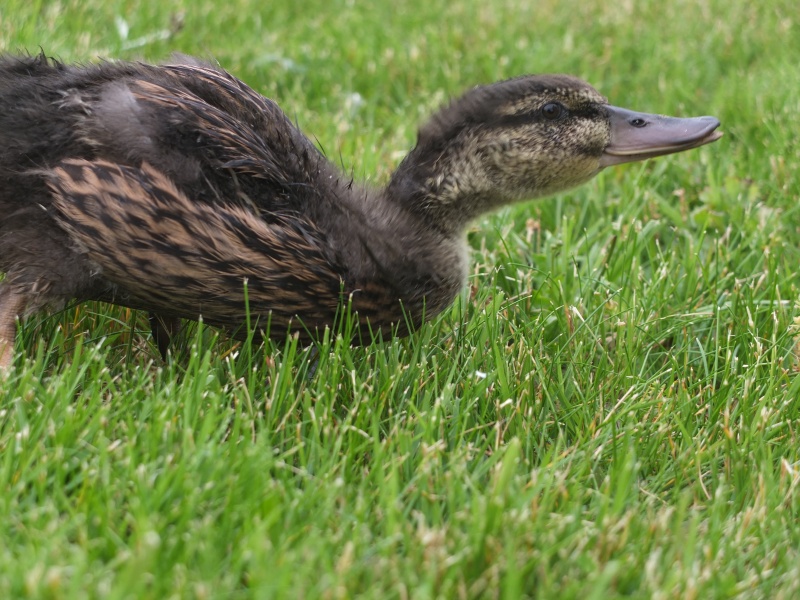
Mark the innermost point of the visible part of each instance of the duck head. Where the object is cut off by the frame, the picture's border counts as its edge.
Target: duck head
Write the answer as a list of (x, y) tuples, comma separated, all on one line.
[(529, 137)]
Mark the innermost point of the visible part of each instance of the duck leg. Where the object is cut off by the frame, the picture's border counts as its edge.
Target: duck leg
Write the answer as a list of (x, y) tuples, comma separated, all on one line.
[(11, 306), (163, 329)]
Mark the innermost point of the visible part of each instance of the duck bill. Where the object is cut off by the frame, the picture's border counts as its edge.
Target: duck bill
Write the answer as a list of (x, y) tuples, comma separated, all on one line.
[(639, 136)]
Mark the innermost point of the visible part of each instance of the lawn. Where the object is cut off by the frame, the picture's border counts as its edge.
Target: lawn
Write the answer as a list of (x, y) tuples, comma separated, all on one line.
[(611, 409)]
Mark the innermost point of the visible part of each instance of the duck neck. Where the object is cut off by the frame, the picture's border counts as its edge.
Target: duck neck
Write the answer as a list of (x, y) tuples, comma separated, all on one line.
[(444, 190)]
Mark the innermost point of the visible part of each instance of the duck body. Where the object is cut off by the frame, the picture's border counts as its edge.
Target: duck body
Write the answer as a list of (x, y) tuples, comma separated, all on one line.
[(179, 190), (208, 204)]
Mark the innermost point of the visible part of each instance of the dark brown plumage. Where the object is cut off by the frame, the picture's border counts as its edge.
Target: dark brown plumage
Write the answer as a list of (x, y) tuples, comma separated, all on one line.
[(166, 188)]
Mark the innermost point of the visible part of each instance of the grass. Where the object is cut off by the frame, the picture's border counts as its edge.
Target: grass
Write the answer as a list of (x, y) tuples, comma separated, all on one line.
[(612, 410)]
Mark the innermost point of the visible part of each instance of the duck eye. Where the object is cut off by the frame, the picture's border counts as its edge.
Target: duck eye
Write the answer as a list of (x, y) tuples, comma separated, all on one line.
[(552, 111)]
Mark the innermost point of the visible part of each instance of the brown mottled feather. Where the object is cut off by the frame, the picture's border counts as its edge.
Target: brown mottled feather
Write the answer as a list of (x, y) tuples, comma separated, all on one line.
[(195, 258)]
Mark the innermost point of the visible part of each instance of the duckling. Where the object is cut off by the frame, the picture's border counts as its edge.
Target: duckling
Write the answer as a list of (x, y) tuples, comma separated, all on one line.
[(178, 190)]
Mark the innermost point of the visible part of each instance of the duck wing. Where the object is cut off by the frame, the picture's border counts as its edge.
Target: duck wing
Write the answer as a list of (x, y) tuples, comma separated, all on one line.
[(218, 140), (252, 135)]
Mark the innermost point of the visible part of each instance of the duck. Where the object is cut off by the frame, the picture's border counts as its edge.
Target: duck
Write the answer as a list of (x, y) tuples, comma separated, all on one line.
[(177, 189)]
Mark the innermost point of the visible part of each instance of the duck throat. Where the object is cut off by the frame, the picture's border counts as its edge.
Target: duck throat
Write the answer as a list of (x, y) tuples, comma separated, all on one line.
[(446, 192)]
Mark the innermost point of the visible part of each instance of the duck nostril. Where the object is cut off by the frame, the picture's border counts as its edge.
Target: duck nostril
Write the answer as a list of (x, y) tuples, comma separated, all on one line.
[(637, 122)]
